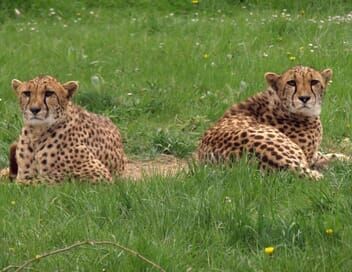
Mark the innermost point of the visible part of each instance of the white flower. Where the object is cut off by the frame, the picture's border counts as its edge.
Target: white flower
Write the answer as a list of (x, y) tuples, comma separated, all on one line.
[(17, 12), (95, 80), (228, 199), (243, 86)]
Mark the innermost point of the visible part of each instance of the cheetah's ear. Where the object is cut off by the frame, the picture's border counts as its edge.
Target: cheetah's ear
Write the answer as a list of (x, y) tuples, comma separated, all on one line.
[(15, 84), (327, 75), (272, 79), (71, 87)]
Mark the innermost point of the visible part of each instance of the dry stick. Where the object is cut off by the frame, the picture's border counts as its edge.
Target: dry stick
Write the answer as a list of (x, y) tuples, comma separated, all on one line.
[(78, 244), (10, 267), (14, 267)]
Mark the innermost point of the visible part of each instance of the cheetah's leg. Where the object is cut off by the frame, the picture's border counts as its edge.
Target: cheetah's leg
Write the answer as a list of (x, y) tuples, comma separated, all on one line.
[(273, 149), (86, 167), (276, 151), (322, 160), (89, 168), (92, 170)]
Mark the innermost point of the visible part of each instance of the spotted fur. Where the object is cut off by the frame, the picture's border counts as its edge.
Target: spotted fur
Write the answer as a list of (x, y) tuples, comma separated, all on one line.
[(60, 140), (280, 126)]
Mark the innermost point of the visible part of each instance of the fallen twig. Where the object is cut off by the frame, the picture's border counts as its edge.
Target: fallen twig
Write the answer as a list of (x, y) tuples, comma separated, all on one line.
[(78, 244)]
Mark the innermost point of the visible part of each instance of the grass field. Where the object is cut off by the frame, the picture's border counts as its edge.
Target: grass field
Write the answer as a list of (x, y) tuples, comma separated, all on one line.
[(164, 72)]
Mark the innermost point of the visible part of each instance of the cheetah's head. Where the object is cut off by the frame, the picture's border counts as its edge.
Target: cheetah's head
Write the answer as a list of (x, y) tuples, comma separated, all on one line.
[(43, 100), (300, 89)]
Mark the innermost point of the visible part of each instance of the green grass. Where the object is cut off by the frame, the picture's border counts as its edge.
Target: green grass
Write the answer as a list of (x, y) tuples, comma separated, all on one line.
[(144, 66)]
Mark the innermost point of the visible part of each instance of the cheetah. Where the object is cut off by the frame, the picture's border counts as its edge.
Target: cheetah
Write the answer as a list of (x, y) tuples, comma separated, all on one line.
[(60, 140), (281, 126)]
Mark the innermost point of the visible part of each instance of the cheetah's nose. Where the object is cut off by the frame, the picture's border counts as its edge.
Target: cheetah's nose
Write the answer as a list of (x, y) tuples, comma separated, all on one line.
[(34, 110), (304, 99)]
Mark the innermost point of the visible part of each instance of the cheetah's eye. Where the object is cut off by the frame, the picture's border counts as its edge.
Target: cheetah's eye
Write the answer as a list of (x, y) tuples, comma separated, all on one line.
[(291, 83), (26, 93), (314, 82), (49, 93)]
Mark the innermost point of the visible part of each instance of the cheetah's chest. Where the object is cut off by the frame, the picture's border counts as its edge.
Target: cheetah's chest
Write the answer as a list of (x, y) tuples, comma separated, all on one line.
[(40, 156)]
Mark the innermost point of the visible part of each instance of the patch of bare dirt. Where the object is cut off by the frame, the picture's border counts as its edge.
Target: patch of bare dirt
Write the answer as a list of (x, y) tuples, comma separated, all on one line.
[(163, 165)]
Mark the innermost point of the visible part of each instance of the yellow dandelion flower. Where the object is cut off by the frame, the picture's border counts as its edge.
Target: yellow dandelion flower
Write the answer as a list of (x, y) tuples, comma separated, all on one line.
[(292, 58), (329, 231), (269, 250), (13, 202), (195, 2), (206, 56)]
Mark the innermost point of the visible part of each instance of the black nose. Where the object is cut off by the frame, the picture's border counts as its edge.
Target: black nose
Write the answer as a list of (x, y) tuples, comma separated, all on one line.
[(35, 110), (304, 99)]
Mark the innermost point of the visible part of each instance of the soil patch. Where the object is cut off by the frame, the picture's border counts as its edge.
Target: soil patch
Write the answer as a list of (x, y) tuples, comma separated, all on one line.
[(163, 165)]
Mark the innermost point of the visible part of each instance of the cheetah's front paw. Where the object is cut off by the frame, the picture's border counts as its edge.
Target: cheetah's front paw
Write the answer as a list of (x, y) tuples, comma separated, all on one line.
[(4, 173), (316, 175)]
